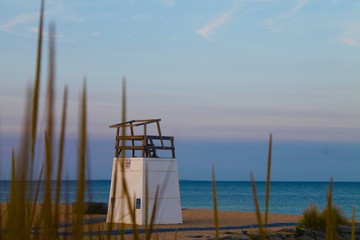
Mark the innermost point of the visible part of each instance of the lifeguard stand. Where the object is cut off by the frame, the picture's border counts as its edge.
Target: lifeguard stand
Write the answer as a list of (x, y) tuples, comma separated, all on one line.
[(142, 165)]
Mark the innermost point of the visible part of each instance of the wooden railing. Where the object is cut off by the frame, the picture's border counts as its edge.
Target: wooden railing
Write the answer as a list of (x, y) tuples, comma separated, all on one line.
[(146, 144)]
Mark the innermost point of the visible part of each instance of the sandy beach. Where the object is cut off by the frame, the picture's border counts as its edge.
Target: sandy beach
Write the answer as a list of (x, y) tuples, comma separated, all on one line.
[(197, 224)]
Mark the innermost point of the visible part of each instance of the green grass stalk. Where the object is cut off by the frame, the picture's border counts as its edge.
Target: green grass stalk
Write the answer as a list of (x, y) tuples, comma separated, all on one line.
[(1, 191), (131, 206), (353, 223), (258, 213), (147, 233), (216, 218), (36, 90), (267, 196), (153, 215), (311, 218), (1, 221), (36, 96), (122, 168), (18, 212), (330, 230), (34, 113), (47, 201), (37, 223), (67, 207), (79, 216), (60, 158)]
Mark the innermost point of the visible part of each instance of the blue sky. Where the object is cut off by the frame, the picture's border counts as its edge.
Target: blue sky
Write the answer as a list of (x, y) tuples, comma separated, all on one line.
[(236, 69)]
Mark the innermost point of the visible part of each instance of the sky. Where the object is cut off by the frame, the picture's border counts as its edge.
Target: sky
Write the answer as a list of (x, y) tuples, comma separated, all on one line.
[(214, 71)]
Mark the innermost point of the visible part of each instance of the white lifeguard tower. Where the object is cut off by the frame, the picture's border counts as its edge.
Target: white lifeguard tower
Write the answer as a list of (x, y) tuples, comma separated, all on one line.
[(144, 181)]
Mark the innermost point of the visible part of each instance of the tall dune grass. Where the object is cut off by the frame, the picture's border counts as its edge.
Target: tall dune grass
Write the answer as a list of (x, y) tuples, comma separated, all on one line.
[(25, 216), (268, 177), (216, 218), (353, 222), (257, 208)]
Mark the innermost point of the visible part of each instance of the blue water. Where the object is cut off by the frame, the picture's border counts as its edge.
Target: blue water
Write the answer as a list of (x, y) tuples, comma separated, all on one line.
[(285, 197)]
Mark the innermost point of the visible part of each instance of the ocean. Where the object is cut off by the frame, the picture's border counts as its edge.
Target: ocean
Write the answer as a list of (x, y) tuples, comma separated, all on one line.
[(285, 197)]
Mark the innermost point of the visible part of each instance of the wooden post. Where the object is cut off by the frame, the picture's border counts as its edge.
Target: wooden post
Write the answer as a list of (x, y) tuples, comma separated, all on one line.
[(144, 143), (159, 131), (148, 144), (117, 142), (172, 147), (133, 142)]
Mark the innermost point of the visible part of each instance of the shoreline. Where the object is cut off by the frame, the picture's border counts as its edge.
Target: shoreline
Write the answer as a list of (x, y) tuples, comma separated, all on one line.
[(196, 222)]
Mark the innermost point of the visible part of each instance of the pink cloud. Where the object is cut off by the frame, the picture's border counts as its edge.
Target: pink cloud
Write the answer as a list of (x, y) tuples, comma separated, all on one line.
[(209, 28)]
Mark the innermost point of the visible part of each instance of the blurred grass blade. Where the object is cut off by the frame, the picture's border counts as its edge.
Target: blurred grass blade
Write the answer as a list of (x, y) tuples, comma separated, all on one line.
[(147, 233), (123, 109), (33, 211), (79, 216), (133, 214), (353, 223), (1, 219), (67, 206), (216, 219), (60, 158), (13, 173), (47, 204), (123, 180), (1, 189), (37, 81), (175, 235), (153, 215), (35, 107), (330, 229), (256, 202), (17, 206), (267, 196), (112, 203), (36, 90)]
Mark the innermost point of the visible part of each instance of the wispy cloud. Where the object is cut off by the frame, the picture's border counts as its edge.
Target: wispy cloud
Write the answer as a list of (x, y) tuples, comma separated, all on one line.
[(26, 25), (208, 28), (46, 36), (19, 20), (276, 23), (350, 37), (95, 34), (168, 3), (134, 18), (351, 42)]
